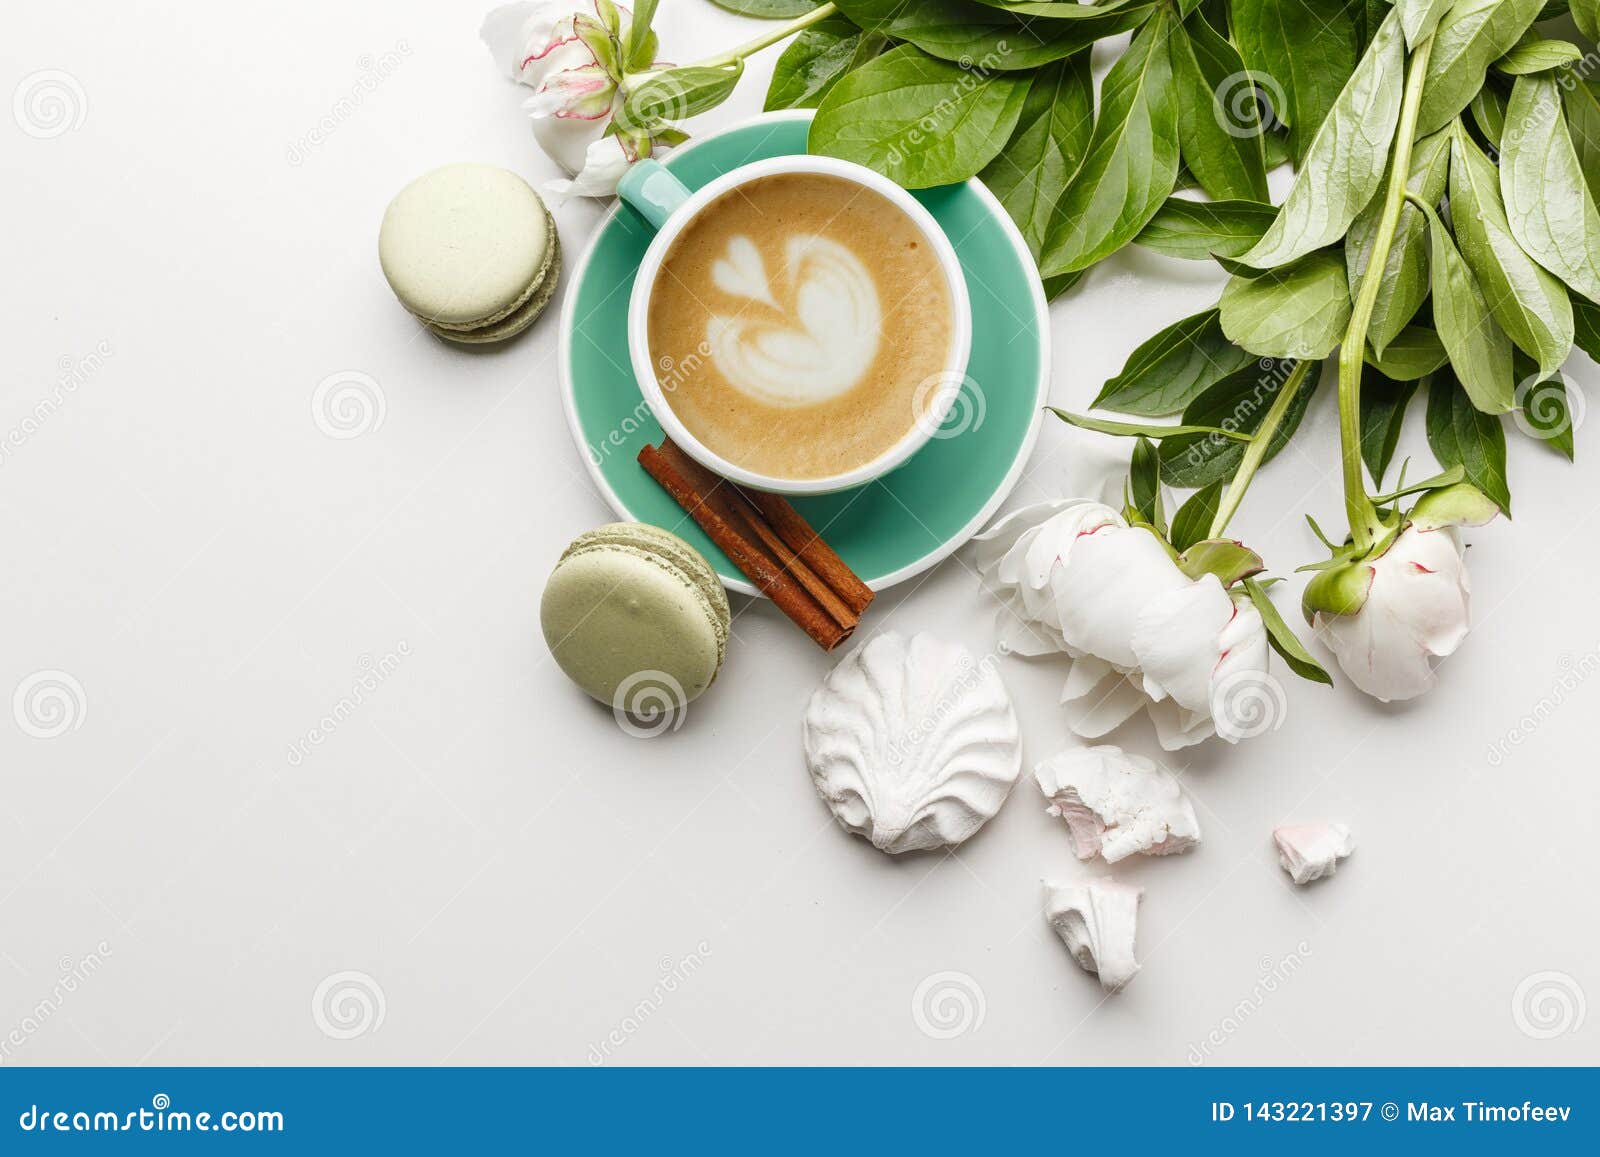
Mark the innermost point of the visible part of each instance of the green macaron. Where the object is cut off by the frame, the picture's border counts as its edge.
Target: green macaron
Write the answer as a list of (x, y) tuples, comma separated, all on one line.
[(635, 615), (471, 251)]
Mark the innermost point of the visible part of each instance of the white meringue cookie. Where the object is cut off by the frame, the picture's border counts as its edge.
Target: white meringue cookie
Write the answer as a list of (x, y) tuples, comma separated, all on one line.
[(1118, 804), (1097, 922), (1311, 851), (912, 743)]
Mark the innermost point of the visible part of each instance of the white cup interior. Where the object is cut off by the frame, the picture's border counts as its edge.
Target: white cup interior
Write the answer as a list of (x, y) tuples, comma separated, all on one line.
[(948, 382)]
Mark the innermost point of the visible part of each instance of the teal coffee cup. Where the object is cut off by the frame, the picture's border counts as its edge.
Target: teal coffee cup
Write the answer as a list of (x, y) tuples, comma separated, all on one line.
[(669, 206)]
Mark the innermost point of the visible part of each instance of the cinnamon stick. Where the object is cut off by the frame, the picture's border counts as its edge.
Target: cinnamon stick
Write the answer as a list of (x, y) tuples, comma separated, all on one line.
[(711, 502), (798, 549), (734, 503), (797, 533), (792, 563), (788, 537)]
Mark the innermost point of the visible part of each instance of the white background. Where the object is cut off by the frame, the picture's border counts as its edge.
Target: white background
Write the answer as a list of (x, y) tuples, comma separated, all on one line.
[(511, 873)]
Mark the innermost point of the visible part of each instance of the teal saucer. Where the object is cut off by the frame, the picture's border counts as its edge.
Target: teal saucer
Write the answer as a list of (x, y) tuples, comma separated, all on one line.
[(887, 530)]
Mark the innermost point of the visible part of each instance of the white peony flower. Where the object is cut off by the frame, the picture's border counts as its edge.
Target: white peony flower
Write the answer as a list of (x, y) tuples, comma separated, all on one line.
[(565, 51), (1388, 611), (1111, 578), (1018, 555), (1416, 610), (1203, 651), (604, 163), (1074, 577)]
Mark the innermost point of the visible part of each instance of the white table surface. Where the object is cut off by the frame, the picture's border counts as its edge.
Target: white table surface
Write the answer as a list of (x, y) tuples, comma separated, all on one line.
[(510, 875)]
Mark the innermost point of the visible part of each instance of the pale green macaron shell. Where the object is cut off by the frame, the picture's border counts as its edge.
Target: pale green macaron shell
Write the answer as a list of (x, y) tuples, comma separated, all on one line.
[(633, 612), (472, 251)]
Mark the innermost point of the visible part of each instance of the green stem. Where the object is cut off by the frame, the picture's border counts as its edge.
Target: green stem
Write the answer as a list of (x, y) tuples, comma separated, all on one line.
[(1352, 353), (1256, 452), (782, 32)]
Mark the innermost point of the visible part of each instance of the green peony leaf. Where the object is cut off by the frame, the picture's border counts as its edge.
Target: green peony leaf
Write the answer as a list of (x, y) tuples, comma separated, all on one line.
[(918, 120)]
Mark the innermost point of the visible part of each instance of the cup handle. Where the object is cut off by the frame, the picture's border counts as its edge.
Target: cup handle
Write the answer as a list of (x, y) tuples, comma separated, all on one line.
[(653, 191)]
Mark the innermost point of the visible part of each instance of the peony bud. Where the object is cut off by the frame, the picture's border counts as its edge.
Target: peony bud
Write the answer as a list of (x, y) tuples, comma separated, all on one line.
[(1413, 611), (568, 52)]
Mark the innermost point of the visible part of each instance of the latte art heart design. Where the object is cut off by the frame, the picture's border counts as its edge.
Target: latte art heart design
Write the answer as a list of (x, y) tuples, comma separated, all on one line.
[(742, 273), (801, 342)]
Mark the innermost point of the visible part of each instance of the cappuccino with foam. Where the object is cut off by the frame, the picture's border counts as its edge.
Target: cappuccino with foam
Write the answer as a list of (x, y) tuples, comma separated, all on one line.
[(800, 325)]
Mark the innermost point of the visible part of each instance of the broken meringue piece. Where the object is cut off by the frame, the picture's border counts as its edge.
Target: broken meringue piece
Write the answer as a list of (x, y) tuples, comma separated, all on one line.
[(1311, 851), (1118, 804), (912, 743), (1097, 921)]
